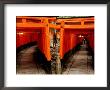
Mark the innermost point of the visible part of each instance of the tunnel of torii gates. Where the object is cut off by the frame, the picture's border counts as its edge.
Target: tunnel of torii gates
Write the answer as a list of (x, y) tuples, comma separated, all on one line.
[(70, 31)]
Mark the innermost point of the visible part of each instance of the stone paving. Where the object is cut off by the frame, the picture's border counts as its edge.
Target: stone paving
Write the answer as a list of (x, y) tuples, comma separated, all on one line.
[(80, 63), (26, 63)]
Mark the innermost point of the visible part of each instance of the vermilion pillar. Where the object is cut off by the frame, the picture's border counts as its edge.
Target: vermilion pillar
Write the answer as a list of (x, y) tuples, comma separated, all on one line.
[(61, 42), (41, 41), (73, 41), (91, 40), (47, 41), (61, 39)]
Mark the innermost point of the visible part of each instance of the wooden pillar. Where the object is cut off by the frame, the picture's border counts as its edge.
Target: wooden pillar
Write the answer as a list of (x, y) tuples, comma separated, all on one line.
[(61, 40), (47, 41), (71, 39), (41, 41)]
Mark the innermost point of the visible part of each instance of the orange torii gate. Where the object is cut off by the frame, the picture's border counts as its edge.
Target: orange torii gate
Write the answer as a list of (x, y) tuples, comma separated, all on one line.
[(69, 30), (34, 24)]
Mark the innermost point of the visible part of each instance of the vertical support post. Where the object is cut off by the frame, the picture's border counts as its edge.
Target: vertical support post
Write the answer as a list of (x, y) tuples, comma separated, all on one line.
[(61, 40), (71, 38), (47, 41), (43, 42)]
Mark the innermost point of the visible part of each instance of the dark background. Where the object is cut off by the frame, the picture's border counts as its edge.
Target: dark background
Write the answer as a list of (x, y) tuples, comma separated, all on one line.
[(2, 49)]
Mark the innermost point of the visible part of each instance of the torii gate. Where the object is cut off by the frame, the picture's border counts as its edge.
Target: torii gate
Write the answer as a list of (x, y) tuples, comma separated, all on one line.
[(68, 29)]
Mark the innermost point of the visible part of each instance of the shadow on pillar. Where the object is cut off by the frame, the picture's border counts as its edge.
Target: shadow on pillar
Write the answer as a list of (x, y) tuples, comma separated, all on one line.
[(41, 60)]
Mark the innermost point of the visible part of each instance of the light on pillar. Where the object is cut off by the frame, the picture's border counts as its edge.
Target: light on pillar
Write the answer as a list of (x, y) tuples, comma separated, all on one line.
[(80, 36), (20, 33)]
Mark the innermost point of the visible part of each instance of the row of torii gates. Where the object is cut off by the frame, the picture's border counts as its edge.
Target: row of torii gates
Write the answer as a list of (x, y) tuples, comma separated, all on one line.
[(70, 31)]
